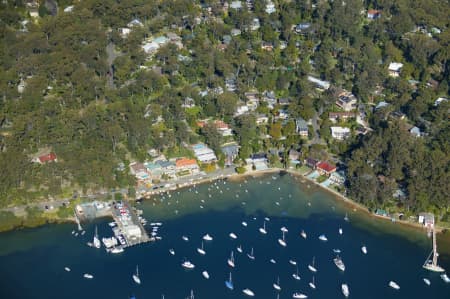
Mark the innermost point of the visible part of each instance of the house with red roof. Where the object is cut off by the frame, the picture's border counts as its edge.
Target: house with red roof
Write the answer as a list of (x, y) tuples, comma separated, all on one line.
[(50, 157), (325, 168), (373, 14), (190, 165)]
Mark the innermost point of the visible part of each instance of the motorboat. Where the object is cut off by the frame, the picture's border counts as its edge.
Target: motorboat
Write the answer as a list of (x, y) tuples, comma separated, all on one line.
[(205, 274), (299, 295), (96, 241), (346, 218), (88, 276), (312, 284), (426, 281), (67, 269), (136, 276), (445, 277), (364, 249), (248, 292), (229, 283), (250, 255), (112, 224), (282, 241), (323, 238), (207, 237), (345, 290), (394, 285), (336, 250), (292, 262), (267, 218), (233, 236), (276, 285), (188, 265), (296, 276), (117, 249), (341, 231), (201, 250), (263, 230), (231, 260), (273, 261), (339, 263), (172, 251), (185, 238), (311, 267), (244, 223), (284, 229), (303, 234)]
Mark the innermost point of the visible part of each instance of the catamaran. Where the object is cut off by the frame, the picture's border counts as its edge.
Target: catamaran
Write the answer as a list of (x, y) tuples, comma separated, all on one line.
[(276, 286), (345, 290), (229, 283), (250, 255), (231, 260), (263, 230), (136, 276), (282, 241), (96, 241), (431, 264), (339, 263), (201, 250), (311, 267)]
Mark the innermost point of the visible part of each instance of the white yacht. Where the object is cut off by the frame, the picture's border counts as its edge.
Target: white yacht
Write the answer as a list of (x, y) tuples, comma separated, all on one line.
[(311, 267), (303, 234), (263, 230), (250, 255), (312, 284), (295, 275), (172, 251), (207, 237), (341, 231), (364, 249), (201, 250), (231, 260), (339, 263), (244, 223), (445, 277), (117, 249), (188, 265), (282, 241), (276, 285), (299, 295), (345, 290), (248, 292), (67, 269), (292, 262), (426, 281), (185, 238), (233, 236), (239, 249), (136, 276), (284, 229), (394, 285), (273, 261), (205, 274), (88, 276), (323, 238)]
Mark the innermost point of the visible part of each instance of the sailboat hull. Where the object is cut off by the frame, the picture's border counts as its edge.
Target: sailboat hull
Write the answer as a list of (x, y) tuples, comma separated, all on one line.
[(434, 268)]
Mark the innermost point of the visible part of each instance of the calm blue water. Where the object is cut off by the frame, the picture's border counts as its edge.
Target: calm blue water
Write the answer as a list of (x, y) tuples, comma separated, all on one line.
[(32, 261)]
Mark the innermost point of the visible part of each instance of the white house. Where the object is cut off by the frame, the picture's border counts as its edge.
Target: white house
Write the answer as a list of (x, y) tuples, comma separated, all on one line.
[(340, 133), (395, 68), (270, 7)]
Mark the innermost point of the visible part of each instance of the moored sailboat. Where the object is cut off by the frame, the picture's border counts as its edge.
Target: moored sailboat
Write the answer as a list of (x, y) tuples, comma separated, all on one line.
[(136, 276), (230, 261), (229, 283), (431, 264)]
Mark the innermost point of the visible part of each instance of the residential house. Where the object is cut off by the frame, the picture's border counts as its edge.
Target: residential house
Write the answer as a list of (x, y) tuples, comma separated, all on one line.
[(235, 32), (270, 7), (241, 110), (381, 104), (135, 23), (47, 158), (340, 133), (320, 84), (337, 177), (259, 161), (223, 128), (324, 168), (69, 8), (301, 127), (294, 157), (373, 14), (427, 219), (150, 47), (203, 153), (439, 101), (33, 8), (302, 28), (236, 5), (255, 24), (415, 131), (267, 46), (284, 101), (168, 168), (230, 83), (270, 98), (185, 164), (311, 162), (394, 69), (282, 114), (188, 103), (230, 151), (340, 116), (139, 171), (226, 39), (346, 100), (262, 119), (124, 32)]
